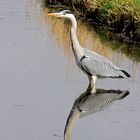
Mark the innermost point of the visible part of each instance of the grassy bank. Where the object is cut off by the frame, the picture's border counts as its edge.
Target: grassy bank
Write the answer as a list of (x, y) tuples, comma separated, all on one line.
[(119, 16)]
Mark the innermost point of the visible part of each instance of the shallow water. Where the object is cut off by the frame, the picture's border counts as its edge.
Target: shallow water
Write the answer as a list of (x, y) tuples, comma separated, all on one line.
[(40, 81)]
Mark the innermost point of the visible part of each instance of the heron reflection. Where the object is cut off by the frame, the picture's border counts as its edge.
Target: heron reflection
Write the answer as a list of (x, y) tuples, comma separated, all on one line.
[(88, 103)]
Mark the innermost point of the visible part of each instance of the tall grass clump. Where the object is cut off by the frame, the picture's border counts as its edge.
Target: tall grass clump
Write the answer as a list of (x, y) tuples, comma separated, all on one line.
[(122, 16)]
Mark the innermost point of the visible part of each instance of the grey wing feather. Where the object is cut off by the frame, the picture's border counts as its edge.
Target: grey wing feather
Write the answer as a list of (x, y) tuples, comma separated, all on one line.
[(96, 64)]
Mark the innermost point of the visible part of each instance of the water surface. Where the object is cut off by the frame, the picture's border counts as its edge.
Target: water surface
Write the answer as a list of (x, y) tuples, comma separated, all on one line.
[(39, 80)]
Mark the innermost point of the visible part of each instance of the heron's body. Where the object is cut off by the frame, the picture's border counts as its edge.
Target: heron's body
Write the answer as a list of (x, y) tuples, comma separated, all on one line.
[(91, 63), (104, 68)]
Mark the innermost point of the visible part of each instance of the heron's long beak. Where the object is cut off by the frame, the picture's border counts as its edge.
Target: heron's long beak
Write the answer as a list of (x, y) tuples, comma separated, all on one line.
[(54, 14)]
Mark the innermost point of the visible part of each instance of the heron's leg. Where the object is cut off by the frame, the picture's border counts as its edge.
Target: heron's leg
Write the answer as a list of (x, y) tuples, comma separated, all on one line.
[(93, 88), (92, 84)]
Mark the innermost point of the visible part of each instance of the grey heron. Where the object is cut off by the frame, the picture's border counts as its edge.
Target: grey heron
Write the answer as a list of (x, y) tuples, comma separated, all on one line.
[(91, 63)]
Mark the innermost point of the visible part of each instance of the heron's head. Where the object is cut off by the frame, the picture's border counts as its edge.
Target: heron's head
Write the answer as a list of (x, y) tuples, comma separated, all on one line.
[(63, 14)]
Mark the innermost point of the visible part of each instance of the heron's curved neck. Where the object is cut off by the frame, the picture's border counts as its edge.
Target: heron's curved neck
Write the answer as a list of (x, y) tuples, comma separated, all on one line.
[(77, 50)]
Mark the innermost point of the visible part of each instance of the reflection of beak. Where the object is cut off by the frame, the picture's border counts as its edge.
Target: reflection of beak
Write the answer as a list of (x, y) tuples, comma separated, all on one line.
[(54, 14)]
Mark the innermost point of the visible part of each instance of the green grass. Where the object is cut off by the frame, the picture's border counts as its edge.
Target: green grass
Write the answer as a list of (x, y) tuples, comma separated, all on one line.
[(121, 15), (109, 9)]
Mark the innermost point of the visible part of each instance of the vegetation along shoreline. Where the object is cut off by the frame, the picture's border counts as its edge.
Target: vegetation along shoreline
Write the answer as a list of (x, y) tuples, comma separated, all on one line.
[(121, 17)]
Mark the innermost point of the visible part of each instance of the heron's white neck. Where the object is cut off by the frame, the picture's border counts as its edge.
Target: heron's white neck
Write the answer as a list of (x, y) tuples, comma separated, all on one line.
[(77, 50)]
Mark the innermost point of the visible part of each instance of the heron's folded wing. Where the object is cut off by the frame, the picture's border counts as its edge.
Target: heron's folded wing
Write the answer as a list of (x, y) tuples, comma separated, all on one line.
[(100, 66)]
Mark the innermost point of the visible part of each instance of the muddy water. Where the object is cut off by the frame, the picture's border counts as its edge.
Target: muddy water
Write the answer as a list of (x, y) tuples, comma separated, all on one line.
[(39, 81)]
